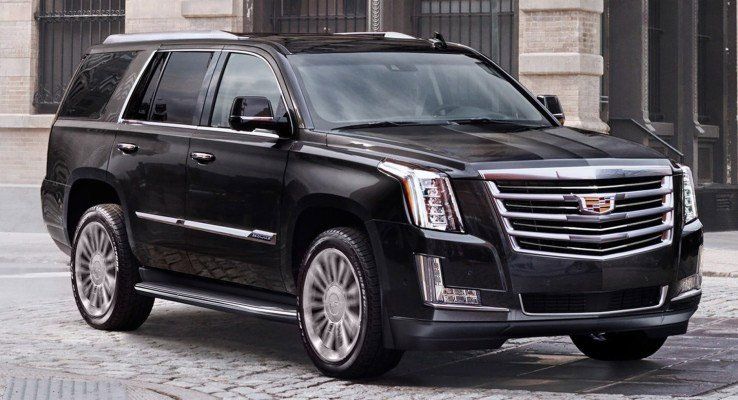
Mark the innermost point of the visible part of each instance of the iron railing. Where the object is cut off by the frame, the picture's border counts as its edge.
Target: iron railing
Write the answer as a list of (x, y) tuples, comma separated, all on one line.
[(319, 16), (486, 25), (67, 28)]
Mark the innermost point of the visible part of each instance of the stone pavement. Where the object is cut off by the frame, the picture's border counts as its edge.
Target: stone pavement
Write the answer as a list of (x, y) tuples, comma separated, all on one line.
[(230, 356), (183, 352)]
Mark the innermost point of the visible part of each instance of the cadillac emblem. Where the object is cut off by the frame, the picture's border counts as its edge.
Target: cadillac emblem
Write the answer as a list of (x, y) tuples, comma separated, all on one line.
[(596, 203)]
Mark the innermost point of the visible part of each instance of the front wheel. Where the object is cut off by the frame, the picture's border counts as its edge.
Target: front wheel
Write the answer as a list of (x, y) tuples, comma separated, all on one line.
[(618, 346), (339, 307)]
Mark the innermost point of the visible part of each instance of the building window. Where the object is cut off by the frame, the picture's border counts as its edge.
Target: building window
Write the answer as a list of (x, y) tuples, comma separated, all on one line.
[(655, 37), (486, 25), (66, 30), (703, 50), (319, 16)]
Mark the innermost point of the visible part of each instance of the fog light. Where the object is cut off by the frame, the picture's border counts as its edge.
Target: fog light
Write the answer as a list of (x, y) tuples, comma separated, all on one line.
[(434, 292)]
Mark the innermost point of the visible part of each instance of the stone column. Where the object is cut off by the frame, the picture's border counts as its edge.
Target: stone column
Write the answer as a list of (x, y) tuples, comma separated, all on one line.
[(559, 42), (23, 135)]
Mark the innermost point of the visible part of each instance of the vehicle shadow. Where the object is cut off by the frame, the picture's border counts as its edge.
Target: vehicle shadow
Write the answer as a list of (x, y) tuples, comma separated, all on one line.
[(686, 366)]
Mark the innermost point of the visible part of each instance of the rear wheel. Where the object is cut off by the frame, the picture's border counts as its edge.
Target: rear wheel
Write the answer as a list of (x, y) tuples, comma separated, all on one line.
[(618, 346), (339, 307), (104, 272)]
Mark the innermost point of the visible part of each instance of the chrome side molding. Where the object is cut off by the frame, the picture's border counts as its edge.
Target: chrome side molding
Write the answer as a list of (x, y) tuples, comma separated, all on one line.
[(255, 235)]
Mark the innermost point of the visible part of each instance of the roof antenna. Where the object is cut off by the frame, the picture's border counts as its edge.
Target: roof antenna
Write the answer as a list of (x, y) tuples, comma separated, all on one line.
[(438, 41)]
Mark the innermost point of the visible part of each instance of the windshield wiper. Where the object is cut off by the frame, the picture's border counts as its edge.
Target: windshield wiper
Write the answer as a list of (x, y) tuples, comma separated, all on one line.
[(387, 124), (484, 120)]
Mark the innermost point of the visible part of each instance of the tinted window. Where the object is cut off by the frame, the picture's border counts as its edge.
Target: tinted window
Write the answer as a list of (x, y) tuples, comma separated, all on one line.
[(140, 103), (435, 87), (176, 98), (93, 85), (245, 75)]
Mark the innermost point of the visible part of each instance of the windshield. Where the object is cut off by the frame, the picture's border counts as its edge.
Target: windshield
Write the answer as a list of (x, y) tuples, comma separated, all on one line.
[(344, 89)]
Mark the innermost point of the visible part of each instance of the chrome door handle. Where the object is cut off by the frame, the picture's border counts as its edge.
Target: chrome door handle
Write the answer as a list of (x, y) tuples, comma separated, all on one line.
[(127, 148), (202, 158)]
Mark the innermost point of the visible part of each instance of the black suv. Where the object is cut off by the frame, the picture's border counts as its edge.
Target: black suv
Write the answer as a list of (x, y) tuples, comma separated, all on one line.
[(386, 193)]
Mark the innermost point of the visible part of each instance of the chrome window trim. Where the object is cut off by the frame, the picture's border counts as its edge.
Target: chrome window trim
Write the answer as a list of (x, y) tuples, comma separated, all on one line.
[(257, 132), (135, 85), (662, 301), (255, 235)]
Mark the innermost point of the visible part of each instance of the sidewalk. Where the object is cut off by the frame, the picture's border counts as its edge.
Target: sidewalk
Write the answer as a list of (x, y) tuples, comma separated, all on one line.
[(720, 255)]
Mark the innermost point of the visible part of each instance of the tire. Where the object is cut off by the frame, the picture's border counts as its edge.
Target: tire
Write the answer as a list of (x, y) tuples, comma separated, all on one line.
[(625, 346), (347, 342), (104, 272)]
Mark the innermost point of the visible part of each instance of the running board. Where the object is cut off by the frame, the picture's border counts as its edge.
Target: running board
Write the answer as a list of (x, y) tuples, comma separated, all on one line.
[(218, 301)]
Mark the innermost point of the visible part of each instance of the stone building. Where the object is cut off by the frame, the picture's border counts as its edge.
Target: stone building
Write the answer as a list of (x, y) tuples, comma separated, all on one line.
[(660, 72)]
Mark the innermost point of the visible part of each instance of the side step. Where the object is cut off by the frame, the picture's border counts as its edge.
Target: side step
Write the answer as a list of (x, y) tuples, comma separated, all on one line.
[(217, 300)]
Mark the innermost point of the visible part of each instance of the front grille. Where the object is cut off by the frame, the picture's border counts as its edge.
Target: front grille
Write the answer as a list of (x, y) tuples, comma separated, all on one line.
[(603, 302), (631, 210)]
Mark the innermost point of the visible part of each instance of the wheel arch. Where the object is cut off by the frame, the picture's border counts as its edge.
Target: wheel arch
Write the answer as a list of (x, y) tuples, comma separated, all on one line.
[(88, 187), (314, 214)]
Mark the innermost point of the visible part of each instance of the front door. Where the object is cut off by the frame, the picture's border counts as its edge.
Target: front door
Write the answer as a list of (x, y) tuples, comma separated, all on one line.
[(235, 181), (151, 151)]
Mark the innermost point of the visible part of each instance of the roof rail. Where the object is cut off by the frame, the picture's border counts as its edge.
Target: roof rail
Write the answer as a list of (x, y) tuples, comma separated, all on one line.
[(388, 35), (159, 36)]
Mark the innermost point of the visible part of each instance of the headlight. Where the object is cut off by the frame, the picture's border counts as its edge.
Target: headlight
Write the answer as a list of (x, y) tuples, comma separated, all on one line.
[(429, 196), (690, 201)]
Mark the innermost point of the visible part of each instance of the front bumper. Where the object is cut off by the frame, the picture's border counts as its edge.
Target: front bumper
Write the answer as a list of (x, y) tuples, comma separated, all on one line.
[(416, 334), (501, 275)]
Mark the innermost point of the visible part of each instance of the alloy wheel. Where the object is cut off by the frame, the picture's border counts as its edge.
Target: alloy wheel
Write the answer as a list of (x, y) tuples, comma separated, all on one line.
[(95, 269), (332, 306)]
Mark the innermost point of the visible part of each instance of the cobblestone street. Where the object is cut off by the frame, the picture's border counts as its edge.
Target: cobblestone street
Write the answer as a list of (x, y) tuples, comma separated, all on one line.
[(190, 353)]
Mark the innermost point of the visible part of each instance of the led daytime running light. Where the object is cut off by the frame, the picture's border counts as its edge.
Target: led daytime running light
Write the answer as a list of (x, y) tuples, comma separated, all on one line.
[(430, 198)]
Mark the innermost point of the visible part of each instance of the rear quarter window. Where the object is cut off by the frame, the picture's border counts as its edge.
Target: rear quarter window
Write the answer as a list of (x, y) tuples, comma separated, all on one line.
[(94, 84)]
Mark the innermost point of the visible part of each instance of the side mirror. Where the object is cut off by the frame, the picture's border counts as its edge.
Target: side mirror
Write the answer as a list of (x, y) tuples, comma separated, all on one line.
[(255, 112), (552, 104)]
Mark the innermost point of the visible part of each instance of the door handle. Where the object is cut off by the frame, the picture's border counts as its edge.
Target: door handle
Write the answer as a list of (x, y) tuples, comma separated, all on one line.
[(202, 158), (127, 148)]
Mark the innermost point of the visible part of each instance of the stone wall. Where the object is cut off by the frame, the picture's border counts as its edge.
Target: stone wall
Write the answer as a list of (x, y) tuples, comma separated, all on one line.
[(24, 139), (23, 136), (559, 45), (176, 15), (18, 53)]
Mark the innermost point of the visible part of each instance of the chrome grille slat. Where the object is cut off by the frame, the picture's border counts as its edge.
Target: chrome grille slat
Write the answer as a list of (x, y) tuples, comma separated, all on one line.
[(518, 205), (598, 250), (588, 218), (612, 228), (570, 197), (593, 187), (610, 237), (541, 214)]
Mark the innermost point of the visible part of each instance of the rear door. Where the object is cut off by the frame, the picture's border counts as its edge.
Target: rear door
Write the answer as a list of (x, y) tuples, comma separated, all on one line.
[(150, 155), (234, 196)]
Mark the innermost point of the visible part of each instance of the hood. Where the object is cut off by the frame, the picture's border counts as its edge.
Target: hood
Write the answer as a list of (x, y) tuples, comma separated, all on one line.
[(474, 147)]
